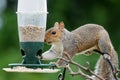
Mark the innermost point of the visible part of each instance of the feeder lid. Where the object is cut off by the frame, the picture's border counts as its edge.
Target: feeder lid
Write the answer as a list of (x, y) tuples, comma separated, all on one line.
[(30, 70), (32, 6)]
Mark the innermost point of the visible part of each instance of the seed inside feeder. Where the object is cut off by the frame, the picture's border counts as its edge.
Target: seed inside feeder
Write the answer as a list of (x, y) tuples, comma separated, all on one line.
[(24, 69), (31, 33)]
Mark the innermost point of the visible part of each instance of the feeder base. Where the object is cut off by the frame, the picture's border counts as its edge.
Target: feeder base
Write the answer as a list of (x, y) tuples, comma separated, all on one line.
[(32, 65), (30, 70)]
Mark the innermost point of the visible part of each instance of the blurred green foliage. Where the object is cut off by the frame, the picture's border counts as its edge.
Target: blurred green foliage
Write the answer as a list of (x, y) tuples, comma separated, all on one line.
[(74, 13)]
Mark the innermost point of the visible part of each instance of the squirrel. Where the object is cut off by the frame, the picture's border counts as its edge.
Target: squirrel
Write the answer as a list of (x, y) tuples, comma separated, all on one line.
[(83, 40)]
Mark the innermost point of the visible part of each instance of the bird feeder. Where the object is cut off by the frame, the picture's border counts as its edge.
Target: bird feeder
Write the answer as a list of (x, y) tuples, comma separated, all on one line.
[(32, 16)]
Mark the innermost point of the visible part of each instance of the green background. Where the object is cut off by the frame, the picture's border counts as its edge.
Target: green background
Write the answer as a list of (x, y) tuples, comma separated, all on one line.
[(74, 13)]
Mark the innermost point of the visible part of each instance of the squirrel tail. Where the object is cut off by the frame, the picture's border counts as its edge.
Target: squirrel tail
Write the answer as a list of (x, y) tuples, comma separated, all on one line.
[(108, 62), (104, 69)]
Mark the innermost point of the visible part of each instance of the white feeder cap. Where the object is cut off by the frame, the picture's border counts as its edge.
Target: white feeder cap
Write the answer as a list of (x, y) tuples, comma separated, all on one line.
[(31, 6)]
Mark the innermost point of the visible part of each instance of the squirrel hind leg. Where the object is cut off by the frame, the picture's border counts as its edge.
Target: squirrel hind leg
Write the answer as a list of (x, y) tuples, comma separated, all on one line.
[(104, 46), (104, 43)]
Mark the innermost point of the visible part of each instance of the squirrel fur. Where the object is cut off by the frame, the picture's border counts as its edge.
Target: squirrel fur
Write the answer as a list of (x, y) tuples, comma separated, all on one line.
[(85, 39)]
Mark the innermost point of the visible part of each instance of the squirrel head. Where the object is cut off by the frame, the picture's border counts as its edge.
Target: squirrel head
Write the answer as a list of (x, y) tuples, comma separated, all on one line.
[(54, 34)]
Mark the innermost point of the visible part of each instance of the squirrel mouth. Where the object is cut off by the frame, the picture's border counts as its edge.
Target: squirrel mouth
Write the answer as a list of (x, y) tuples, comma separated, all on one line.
[(49, 42)]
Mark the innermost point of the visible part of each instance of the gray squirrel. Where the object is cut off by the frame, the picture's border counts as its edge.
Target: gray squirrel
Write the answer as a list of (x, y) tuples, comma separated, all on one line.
[(83, 40)]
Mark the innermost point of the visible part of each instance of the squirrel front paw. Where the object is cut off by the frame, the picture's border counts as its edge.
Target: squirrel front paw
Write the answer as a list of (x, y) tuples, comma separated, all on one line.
[(56, 65)]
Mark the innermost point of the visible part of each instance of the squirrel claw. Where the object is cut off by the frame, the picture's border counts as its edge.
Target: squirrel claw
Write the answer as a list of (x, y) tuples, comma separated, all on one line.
[(88, 53)]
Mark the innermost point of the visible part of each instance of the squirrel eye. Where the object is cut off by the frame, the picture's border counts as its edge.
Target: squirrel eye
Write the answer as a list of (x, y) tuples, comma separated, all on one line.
[(53, 32)]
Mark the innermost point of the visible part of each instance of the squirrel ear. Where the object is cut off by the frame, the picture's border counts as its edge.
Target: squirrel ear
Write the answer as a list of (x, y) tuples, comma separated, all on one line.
[(62, 26), (56, 25)]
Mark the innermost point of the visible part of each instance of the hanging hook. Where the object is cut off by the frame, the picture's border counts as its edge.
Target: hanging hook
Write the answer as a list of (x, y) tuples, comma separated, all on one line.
[(61, 76)]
